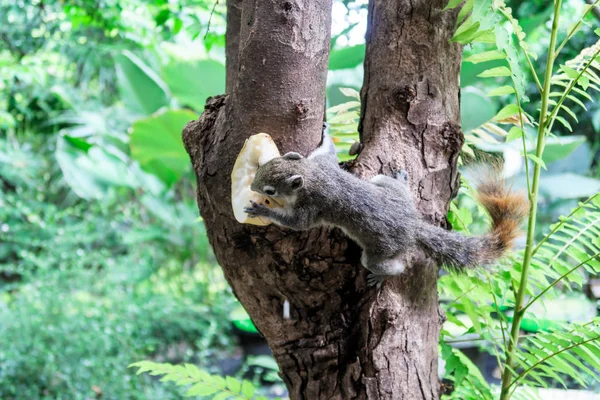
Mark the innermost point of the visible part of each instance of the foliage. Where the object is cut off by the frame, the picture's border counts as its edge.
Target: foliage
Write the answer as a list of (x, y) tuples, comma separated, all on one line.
[(343, 120), (202, 383), (572, 244), (75, 332), (87, 287)]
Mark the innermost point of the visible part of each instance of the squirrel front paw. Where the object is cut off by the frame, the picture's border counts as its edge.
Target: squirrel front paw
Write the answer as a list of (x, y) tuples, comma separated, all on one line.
[(257, 210)]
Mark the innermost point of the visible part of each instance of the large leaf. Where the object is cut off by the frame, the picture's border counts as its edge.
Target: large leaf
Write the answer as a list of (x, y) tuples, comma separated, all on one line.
[(558, 148), (91, 172), (192, 82), (568, 186), (142, 89), (475, 109), (347, 57), (156, 144)]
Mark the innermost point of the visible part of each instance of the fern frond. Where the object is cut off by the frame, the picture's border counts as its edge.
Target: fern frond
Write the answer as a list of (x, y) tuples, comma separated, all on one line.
[(572, 244), (202, 383), (343, 123), (573, 352), (581, 71)]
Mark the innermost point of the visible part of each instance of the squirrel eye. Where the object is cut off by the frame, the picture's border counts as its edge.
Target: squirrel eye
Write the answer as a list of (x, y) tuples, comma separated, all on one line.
[(269, 191)]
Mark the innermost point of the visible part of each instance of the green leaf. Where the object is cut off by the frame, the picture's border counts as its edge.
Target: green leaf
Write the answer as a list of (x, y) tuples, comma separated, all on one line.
[(233, 384), (571, 73), (223, 396), (569, 111), (452, 4), (468, 150), (584, 82), (467, 34), (464, 11), (349, 92), (201, 389), (504, 43), (475, 109), (564, 122), (469, 71), (501, 91), (7, 120), (193, 371), (219, 381), (514, 133), (77, 142), (156, 144), (347, 57), (177, 25), (247, 389), (141, 88), (192, 82), (81, 172), (558, 148), (508, 111), (597, 31), (495, 72), (488, 36), (162, 17), (536, 160), (485, 56)]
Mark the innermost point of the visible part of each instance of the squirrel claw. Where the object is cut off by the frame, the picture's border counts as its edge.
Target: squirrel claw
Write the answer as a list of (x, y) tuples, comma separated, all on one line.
[(375, 280), (401, 175), (255, 209)]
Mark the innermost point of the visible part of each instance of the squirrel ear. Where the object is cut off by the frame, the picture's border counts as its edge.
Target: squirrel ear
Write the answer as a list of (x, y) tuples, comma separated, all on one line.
[(292, 155), (295, 181)]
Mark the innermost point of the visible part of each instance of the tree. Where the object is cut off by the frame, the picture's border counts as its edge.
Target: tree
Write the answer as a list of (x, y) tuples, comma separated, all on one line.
[(343, 340)]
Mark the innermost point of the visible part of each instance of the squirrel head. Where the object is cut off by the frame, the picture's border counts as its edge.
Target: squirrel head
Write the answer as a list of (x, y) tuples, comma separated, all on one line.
[(282, 177)]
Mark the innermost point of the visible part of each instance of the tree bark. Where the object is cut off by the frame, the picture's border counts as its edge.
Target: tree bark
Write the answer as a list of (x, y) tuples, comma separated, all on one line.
[(343, 340)]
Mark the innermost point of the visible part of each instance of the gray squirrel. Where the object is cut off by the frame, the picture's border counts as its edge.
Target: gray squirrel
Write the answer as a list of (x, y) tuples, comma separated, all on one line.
[(380, 214)]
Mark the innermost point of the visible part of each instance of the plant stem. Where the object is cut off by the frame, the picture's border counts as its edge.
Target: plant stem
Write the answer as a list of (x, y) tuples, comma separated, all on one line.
[(518, 315)]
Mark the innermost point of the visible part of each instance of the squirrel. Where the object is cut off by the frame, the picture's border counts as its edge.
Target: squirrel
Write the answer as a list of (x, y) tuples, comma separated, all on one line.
[(380, 215)]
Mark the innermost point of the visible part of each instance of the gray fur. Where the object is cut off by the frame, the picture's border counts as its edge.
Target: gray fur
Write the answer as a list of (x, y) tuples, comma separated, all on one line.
[(379, 215)]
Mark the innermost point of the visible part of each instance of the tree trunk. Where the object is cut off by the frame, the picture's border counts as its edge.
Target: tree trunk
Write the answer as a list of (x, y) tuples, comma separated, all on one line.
[(343, 340)]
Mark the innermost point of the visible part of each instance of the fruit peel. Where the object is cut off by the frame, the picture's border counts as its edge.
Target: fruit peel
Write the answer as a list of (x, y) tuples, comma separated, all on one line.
[(258, 149)]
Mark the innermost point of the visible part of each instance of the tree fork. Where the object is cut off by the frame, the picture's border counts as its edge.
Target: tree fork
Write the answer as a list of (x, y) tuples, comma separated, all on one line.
[(343, 340)]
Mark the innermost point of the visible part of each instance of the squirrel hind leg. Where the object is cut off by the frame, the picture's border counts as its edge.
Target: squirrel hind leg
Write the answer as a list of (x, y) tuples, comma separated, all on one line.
[(381, 269), (388, 267), (375, 280)]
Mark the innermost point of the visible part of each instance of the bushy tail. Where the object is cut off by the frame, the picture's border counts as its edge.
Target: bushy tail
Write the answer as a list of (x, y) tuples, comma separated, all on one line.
[(456, 251)]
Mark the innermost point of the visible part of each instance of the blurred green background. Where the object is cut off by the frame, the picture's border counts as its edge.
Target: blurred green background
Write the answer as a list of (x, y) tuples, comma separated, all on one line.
[(103, 260)]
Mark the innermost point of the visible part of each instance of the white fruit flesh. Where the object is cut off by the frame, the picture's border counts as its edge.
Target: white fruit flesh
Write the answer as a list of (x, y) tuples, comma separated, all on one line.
[(257, 150)]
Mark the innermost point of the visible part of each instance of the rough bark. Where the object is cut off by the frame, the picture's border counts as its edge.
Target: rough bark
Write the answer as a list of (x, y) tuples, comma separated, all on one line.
[(343, 340), (232, 42)]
